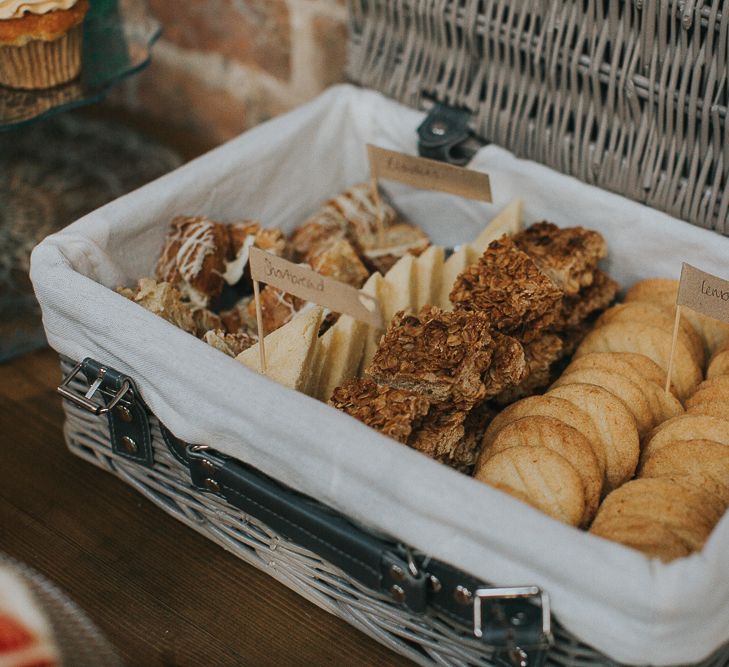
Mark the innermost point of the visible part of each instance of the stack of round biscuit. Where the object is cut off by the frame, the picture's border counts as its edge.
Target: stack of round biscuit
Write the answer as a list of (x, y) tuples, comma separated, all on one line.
[(608, 412)]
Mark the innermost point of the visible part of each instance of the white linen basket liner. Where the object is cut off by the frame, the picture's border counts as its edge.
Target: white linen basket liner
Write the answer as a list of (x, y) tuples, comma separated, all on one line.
[(625, 605)]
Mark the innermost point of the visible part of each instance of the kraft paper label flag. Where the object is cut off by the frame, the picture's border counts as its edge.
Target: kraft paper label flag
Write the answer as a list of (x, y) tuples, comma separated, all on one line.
[(312, 286), (428, 174), (703, 293)]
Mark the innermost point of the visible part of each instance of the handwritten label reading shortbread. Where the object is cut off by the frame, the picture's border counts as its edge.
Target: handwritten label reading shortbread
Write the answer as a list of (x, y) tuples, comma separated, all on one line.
[(312, 286), (428, 174), (704, 293)]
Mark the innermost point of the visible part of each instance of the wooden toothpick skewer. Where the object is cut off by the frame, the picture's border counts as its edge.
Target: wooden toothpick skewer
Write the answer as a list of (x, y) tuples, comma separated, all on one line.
[(259, 322), (674, 340)]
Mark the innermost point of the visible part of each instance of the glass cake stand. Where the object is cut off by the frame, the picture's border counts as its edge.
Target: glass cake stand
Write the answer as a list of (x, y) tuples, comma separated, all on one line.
[(118, 38), (55, 171)]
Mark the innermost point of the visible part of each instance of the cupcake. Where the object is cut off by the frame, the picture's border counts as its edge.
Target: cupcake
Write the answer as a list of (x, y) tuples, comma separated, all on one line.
[(40, 42)]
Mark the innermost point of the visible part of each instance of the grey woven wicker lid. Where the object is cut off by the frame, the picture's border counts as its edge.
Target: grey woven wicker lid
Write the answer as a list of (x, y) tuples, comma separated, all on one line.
[(628, 96)]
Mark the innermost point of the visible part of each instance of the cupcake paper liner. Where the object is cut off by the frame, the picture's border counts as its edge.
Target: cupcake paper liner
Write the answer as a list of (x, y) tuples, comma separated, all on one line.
[(42, 64)]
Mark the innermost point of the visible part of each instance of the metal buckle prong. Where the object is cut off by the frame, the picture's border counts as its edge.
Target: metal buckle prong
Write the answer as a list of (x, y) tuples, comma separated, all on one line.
[(511, 593), (84, 401), (96, 383)]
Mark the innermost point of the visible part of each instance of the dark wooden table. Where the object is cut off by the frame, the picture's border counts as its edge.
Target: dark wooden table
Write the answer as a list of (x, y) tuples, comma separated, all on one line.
[(161, 593)]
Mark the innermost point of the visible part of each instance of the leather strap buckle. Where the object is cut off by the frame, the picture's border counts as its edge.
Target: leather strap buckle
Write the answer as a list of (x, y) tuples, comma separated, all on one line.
[(124, 410), (520, 592), (85, 400), (515, 623)]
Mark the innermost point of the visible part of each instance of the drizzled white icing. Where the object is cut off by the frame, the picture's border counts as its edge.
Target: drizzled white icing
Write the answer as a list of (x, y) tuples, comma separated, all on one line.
[(14, 9), (197, 241), (283, 301), (357, 208), (356, 205), (234, 270), (196, 298)]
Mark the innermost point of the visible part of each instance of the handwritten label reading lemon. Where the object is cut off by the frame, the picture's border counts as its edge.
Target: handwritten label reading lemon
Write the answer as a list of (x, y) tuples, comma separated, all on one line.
[(312, 286), (703, 292)]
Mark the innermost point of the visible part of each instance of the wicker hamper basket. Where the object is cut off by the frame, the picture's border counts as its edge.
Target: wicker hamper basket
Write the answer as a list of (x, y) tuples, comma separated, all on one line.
[(630, 96), (428, 640), (627, 96)]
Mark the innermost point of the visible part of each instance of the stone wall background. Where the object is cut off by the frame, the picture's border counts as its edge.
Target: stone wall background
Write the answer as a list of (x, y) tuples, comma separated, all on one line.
[(223, 66)]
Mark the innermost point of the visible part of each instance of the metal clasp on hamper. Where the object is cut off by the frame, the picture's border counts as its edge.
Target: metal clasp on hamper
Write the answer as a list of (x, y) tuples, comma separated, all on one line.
[(444, 135), (122, 406), (85, 400), (516, 620)]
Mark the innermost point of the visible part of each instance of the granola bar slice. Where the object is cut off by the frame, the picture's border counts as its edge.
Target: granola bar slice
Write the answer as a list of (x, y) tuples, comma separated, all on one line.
[(541, 356), (447, 356), (441, 435), (508, 287), (588, 301), (569, 256), (393, 412)]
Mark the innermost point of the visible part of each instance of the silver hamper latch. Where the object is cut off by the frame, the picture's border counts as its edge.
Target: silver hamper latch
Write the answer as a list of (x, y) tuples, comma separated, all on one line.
[(125, 411), (524, 628)]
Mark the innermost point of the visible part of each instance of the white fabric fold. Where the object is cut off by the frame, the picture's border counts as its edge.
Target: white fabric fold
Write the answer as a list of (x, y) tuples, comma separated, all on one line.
[(613, 598)]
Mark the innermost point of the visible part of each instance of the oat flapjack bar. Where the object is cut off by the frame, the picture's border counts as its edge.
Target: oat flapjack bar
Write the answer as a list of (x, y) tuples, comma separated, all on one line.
[(572, 336), (465, 454), (541, 354), (439, 431), (440, 435), (508, 366), (393, 412), (452, 436), (568, 256), (447, 356), (507, 286), (577, 308)]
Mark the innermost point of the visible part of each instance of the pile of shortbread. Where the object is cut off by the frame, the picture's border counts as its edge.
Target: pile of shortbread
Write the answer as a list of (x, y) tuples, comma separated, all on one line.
[(503, 359), (606, 426)]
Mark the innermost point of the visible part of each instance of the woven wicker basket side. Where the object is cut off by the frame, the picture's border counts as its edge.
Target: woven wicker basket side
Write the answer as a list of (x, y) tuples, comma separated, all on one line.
[(629, 96), (427, 640)]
